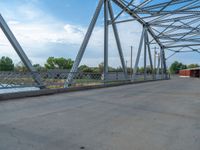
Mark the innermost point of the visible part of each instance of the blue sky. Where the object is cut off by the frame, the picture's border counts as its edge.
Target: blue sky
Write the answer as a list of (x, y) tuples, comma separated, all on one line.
[(64, 10), (47, 28)]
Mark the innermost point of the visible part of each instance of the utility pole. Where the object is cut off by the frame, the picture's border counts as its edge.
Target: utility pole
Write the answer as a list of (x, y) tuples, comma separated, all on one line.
[(155, 55), (131, 69), (158, 66)]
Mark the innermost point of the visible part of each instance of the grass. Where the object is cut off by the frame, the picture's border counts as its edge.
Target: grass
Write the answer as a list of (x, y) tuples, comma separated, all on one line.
[(59, 83)]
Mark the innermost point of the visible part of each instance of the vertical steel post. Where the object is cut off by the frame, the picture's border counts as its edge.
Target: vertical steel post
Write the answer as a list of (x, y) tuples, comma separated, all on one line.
[(12, 39), (155, 62), (106, 30), (115, 30), (138, 55), (150, 57), (163, 63), (84, 45), (145, 55), (162, 66), (158, 67)]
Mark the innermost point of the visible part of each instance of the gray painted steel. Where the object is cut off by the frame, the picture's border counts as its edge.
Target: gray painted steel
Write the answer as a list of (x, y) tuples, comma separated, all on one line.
[(10, 36), (172, 25), (161, 21), (106, 35), (84, 44), (115, 30), (138, 54)]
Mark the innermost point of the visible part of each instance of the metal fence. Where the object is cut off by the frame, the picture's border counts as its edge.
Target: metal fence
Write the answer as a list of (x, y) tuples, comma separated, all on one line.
[(56, 79)]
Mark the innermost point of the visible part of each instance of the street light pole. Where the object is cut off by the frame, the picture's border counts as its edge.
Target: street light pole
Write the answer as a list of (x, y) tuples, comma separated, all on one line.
[(155, 61), (155, 53), (131, 69)]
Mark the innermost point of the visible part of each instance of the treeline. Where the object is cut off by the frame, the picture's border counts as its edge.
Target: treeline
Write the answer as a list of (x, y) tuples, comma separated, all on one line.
[(176, 66), (52, 63), (7, 64)]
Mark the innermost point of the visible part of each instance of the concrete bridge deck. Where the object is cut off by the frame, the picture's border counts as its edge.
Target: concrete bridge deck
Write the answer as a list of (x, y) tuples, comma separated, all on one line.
[(161, 115)]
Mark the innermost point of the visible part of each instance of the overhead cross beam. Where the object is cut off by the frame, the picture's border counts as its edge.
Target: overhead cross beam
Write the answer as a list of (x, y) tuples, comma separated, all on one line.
[(170, 24)]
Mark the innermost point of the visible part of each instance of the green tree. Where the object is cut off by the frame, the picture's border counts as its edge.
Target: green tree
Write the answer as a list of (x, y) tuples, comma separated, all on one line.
[(141, 70), (95, 70), (101, 67), (58, 63), (85, 68), (111, 69), (20, 67), (149, 70), (6, 64), (193, 66), (38, 67), (176, 66)]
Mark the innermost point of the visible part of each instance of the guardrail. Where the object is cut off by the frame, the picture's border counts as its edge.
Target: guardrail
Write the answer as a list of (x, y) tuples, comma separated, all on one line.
[(56, 79)]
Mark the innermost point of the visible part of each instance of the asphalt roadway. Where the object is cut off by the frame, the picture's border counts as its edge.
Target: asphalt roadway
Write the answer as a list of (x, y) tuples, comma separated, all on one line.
[(162, 115)]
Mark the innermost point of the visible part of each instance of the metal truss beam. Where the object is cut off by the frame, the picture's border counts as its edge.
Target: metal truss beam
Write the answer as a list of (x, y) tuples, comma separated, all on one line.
[(106, 31), (84, 45), (182, 45), (175, 27), (172, 24), (108, 12), (138, 18), (161, 5), (17, 47), (176, 19), (138, 55), (115, 30), (169, 24), (179, 34)]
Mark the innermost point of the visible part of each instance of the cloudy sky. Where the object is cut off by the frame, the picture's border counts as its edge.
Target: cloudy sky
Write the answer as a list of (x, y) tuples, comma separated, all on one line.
[(47, 28)]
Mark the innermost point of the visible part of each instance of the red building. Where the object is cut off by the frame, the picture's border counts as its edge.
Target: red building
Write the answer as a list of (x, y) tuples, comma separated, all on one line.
[(194, 72)]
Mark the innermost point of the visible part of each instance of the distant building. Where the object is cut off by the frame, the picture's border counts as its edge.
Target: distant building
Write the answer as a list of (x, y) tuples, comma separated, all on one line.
[(193, 72)]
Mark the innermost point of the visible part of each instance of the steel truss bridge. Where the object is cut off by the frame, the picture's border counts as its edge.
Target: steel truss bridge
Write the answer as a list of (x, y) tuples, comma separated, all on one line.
[(173, 25)]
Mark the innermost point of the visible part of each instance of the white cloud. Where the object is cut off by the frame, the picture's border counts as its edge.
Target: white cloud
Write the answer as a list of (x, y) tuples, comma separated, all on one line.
[(46, 37), (35, 37)]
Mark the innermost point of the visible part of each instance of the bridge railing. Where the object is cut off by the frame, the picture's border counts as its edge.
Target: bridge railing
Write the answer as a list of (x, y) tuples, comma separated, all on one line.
[(16, 80), (57, 79)]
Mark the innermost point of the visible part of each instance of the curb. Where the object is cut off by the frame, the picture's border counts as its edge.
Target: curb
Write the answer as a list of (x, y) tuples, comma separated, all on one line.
[(45, 92)]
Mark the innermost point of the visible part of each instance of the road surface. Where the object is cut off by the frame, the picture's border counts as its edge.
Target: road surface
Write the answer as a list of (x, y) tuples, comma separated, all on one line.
[(162, 115)]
